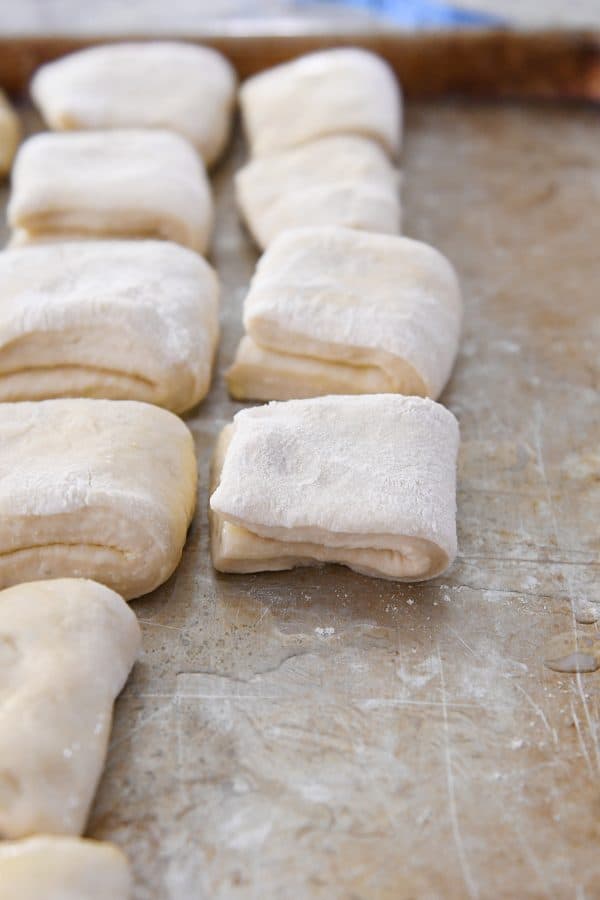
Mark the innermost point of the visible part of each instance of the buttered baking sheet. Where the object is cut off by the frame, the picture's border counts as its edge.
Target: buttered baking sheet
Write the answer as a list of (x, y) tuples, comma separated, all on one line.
[(318, 734)]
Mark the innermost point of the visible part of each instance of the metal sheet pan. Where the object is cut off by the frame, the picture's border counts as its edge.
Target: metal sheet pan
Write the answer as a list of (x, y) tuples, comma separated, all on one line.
[(320, 734)]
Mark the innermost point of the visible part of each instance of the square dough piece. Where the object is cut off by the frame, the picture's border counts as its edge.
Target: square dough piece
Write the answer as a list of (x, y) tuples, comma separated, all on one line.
[(338, 180), (369, 482), (335, 310), (122, 320), (101, 489), (160, 84), (111, 184), (68, 646), (10, 133), (340, 91), (63, 868)]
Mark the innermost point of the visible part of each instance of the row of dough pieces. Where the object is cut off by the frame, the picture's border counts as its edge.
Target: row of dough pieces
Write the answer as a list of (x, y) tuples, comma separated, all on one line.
[(365, 311), (129, 174), (270, 544)]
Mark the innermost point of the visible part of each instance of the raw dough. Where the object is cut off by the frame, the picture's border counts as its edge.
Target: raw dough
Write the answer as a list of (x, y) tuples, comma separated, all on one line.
[(335, 310), (101, 489), (338, 180), (264, 374), (177, 86), (63, 868), (340, 91), (368, 481), (112, 184), (10, 133), (66, 649), (134, 320)]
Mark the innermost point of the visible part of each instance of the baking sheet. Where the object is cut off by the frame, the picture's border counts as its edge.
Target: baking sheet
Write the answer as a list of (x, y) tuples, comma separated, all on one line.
[(321, 734)]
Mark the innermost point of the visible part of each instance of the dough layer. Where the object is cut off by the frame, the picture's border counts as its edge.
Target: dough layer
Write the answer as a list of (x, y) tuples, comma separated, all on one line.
[(337, 180), (121, 183), (101, 489), (259, 373), (10, 133), (335, 310), (369, 482), (156, 84), (111, 319), (340, 91), (66, 649), (63, 868)]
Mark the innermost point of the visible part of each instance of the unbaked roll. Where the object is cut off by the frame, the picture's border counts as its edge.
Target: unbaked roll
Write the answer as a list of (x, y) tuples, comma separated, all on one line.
[(67, 648), (101, 489), (340, 91), (369, 482), (122, 183), (121, 320), (336, 310)]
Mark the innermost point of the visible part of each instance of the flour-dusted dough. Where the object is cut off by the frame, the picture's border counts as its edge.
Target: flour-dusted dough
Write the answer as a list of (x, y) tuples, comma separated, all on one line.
[(63, 868), (101, 489), (135, 183), (339, 180), (160, 84), (340, 91), (133, 320), (336, 310), (369, 482), (10, 133), (66, 649)]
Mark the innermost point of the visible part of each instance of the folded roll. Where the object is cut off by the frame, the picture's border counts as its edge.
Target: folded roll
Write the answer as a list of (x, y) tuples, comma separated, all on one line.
[(134, 320), (155, 84), (63, 868), (369, 482), (10, 132), (341, 91), (336, 310), (68, 647), (131, 183), (101, 489), (339, 180)]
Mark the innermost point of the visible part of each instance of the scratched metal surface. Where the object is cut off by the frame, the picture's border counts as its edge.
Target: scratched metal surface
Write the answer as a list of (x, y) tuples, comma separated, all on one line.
[(320, 734)]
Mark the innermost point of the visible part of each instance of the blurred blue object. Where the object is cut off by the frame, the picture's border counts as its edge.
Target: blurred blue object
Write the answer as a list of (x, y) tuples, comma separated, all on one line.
[(418, 13)]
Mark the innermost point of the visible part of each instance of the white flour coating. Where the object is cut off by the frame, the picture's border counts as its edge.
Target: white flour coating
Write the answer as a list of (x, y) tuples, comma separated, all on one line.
[(135, 309), (156, 84), (338, 180), (63, 868), (94, 488), (341, 295), (348, 475), (340, 91), (121, 183), (72, 644)]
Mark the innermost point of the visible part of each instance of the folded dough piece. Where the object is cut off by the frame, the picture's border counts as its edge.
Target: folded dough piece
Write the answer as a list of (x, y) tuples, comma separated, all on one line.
[(10, 133), (336, 310), (66, 649), (158, 84), (135, 183), (101, 489), (339, 180), (63, 868), (340, 91), (369, 482), (135, 320)]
